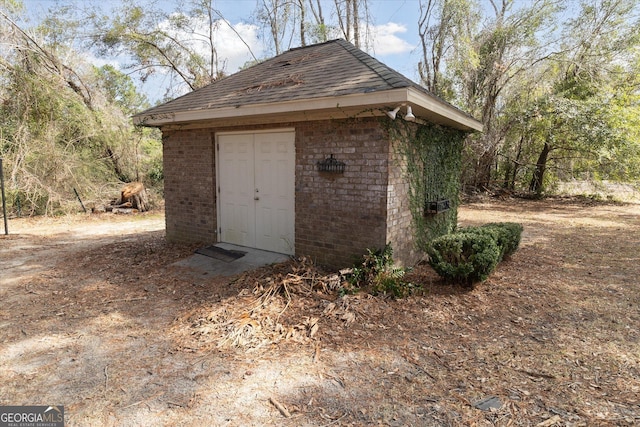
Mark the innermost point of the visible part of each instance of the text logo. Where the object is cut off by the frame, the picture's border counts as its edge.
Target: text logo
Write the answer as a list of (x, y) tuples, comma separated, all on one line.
[(31, 416)]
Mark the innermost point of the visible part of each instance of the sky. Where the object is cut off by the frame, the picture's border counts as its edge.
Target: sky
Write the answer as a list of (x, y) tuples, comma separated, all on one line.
[(395, 26), (395, 34)]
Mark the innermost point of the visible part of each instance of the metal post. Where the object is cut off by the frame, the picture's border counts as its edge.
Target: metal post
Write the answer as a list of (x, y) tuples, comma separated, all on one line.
[(80, 200), (4, 203)]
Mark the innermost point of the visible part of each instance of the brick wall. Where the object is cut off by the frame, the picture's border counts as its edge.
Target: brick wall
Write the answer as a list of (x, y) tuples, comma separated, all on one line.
[(338, 216), (189, 172)]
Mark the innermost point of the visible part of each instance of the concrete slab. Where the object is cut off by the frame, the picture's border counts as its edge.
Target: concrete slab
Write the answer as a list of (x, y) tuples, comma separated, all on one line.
[(202, 265)]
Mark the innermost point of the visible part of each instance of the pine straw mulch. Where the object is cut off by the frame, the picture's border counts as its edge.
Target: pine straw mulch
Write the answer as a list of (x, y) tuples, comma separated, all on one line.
[(550, 339)]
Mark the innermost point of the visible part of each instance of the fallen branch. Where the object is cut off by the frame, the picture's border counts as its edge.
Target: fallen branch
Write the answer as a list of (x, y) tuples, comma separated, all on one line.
[(537, 374), (124, 300), (334, 421), (155, 396), (316, 353), (280, 407), (549, 422)]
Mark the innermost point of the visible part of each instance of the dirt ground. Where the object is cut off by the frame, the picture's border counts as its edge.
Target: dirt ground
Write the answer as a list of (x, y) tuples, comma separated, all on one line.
[(95, 317)]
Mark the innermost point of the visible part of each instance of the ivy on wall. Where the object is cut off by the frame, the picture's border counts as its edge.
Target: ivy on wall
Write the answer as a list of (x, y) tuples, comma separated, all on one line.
[(432, 159)]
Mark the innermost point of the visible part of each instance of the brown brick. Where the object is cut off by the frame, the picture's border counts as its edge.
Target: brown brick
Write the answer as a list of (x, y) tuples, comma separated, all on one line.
[(338, 216)]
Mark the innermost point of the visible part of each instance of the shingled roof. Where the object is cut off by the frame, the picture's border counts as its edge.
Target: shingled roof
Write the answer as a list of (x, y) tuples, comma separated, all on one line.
[(334, 75)]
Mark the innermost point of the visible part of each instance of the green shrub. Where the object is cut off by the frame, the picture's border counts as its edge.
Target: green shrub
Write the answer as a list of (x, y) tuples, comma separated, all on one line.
[(472, 253), (506, 235), (378, 273), (509, 235), (465, 256)]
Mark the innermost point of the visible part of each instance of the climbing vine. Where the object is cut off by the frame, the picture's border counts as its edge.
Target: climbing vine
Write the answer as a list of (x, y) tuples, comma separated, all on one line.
[(431, 155)]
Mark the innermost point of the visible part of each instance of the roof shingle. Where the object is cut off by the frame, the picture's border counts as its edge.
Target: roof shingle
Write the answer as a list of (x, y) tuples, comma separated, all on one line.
[(333, 68), (305, 78)]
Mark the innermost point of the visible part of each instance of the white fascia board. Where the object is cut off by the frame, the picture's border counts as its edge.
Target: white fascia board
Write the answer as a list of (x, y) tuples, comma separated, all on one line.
[(389, 98), (448, 112)]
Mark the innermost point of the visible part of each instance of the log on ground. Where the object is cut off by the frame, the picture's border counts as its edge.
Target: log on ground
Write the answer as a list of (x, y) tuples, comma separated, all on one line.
[(133, 195)]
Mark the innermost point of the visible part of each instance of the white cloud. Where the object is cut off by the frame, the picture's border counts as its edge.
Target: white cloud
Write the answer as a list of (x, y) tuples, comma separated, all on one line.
[(99, 62), (386, 40), (235, 42), (232, 44)]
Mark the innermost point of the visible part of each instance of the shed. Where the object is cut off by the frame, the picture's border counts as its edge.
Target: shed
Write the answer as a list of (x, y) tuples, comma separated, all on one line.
[(291, 155)]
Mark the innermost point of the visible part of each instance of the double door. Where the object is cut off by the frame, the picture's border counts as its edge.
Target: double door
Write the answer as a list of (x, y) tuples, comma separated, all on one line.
[(256, 189)]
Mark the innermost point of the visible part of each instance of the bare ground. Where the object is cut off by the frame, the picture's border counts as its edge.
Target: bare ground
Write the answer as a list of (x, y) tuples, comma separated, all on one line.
[(95, 317)]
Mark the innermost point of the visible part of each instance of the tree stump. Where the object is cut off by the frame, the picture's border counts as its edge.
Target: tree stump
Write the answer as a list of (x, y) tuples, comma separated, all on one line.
[(133, 195)]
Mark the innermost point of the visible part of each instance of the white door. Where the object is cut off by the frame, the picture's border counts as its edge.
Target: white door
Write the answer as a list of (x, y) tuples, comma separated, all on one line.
[(256, 203), (236, 206)]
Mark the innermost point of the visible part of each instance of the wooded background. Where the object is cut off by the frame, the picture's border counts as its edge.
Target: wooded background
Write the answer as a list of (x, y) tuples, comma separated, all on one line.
[(555, 83)]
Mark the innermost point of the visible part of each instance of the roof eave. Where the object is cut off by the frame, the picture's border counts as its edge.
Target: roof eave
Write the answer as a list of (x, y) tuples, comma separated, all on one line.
[(431, 108), (441, 112)]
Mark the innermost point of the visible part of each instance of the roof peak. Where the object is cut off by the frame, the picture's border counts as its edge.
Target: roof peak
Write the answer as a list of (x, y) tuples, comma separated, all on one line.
[(334, 70), (312, 45)]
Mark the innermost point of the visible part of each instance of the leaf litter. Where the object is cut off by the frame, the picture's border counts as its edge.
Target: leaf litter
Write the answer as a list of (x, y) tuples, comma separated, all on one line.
[(550, 339)]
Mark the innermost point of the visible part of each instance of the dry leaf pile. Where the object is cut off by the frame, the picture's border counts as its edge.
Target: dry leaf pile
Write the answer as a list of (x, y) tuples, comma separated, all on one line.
[(258, 315)]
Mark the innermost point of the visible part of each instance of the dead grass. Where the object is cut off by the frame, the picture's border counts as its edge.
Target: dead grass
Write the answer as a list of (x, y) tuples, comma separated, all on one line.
[(106, 326)]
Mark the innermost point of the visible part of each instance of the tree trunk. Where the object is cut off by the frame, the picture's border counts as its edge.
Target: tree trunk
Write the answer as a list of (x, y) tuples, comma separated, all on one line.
[(508, 170), (512, 184), (348, 19), (511, 168), (536, 185), (116, 165), (484, 166), (356, 24), (274, 23), (319, 19), (303, 40), (133, 195)]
